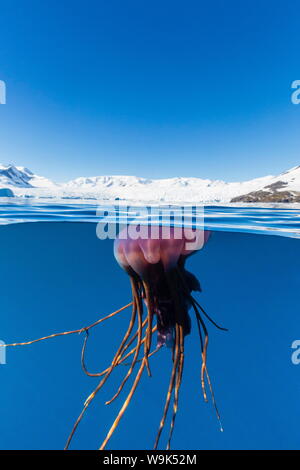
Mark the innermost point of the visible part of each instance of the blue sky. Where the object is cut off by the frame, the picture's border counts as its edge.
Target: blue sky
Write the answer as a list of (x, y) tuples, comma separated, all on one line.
[(155, 89)]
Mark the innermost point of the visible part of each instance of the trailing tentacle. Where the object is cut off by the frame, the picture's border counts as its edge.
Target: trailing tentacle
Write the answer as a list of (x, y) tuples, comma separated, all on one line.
[(106, 376)]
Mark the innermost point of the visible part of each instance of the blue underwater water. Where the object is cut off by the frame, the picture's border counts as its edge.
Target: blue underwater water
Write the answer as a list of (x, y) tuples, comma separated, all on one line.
[(60, 276)]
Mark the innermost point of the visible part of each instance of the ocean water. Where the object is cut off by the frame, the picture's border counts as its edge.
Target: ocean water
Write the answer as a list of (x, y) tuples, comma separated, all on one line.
[(277, 219), (60, 276)]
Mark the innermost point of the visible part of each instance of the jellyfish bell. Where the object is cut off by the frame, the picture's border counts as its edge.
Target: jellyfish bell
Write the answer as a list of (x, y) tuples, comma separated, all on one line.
[(167, 245), (157, 261)]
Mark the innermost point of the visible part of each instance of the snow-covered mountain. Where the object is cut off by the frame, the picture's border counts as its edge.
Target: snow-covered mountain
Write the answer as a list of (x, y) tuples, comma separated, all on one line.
[(24, 183), (282, 188), (21, 177)]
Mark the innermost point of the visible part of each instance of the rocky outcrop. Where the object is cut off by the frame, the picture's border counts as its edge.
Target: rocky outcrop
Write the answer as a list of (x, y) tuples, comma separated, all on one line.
[(269, 196)]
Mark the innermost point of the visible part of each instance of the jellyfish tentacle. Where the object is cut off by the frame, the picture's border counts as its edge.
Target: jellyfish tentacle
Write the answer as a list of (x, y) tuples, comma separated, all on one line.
[(121, 358), (214, 400), (200, 324), (177, 387), (129, 343), (208, 317), (125, 405), (83, 366), (170, 388), (145, 363), (148, 295), (106, 376), (177, 356), (204, 347), (150, 354), (205, 370), (64, 333), (180, 272), (204, 353), (138, 346), (175, 288)]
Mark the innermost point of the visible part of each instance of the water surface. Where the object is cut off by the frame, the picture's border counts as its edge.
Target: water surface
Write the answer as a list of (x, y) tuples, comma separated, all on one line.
[(280, 219)]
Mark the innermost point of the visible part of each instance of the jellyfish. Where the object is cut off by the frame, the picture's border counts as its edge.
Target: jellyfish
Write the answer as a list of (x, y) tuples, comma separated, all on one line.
[(154, 259), (159, 279)]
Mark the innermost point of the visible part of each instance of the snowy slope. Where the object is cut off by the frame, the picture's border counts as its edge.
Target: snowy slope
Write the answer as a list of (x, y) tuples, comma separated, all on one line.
[(282, 188), (12, 176), (290, 179), (24, 183), (21, 177), (171, 189)]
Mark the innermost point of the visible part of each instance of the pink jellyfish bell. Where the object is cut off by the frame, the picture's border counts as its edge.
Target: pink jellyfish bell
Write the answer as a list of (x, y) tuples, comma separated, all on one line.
[(157, 268)]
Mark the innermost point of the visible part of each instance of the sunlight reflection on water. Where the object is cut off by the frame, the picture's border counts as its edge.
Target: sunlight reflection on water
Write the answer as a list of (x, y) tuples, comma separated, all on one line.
[(283, 219)]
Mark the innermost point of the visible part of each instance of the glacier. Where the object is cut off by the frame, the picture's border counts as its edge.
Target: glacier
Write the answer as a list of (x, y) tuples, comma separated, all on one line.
[(23, 183)]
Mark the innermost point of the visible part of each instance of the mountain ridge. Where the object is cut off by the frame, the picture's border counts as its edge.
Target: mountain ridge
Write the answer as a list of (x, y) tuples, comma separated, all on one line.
[(24, 183)]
